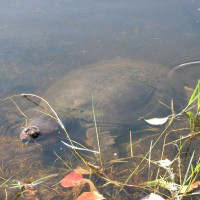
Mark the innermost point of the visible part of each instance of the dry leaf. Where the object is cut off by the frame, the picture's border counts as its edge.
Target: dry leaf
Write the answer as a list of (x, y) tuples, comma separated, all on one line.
[(195, 184), (80, 170), (156, 121)]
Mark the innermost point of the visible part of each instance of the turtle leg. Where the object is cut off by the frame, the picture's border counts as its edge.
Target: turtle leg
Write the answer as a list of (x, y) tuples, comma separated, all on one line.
[(108, 149)]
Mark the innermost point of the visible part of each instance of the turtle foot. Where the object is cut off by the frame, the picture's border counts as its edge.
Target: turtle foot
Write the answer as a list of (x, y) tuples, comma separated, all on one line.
[(105, 144)]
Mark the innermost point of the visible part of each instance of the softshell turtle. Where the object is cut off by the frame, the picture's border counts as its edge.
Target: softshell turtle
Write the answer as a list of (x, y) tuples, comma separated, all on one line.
[(120, 90)]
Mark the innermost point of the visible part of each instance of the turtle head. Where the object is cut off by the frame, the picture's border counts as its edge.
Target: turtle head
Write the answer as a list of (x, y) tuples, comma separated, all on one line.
[(39, 129), (29, 133)]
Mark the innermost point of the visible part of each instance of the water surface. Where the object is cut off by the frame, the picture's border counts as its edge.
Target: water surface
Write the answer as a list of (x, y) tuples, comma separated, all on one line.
[(40, 41)]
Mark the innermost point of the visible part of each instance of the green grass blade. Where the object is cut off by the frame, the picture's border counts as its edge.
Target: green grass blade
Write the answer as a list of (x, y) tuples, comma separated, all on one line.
[(194, 94), (198, 106)]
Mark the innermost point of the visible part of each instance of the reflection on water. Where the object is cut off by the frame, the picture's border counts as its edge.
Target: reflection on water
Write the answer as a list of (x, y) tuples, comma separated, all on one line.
[(188, 73), (40, 41)]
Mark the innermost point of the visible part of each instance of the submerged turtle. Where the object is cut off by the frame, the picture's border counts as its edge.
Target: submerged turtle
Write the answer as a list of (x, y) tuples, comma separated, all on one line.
[(120, 91)]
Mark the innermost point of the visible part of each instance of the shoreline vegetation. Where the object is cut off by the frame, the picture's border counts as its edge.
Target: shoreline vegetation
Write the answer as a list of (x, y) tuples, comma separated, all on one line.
[(171, 172)]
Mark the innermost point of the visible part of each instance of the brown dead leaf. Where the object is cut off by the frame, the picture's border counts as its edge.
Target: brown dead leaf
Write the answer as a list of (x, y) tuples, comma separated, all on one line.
[(80, 170), (195, 184)]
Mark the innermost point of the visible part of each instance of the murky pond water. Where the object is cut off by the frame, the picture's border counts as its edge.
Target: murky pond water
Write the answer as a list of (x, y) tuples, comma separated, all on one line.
[(43, 41)]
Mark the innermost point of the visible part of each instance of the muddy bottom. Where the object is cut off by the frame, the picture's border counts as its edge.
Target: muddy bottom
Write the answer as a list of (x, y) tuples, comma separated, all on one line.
[(20, 165)]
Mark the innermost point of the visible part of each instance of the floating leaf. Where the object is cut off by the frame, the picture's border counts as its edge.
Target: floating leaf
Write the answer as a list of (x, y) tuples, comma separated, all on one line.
[(72, 179), (156, 121), (90, 196)]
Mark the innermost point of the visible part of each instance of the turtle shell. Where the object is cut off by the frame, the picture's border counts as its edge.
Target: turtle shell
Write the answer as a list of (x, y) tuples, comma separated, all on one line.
[(120, 91)]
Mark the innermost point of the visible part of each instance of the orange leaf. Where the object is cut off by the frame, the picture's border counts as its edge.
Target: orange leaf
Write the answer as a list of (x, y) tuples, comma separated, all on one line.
[(90, 196), (72, 179), (195, 184)]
